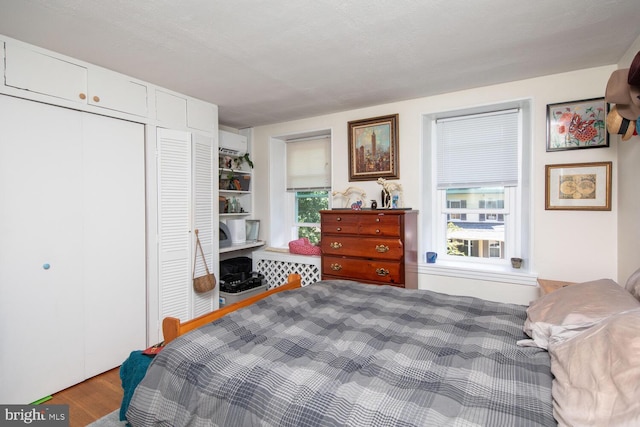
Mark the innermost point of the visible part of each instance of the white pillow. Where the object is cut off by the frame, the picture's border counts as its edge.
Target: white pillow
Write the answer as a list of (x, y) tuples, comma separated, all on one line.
[(597, 374), (633, 284), (574, 308)]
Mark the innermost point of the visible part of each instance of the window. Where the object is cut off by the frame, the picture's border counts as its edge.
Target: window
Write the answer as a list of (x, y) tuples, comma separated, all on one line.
[(475, 203), (308, 184), (307, 213)]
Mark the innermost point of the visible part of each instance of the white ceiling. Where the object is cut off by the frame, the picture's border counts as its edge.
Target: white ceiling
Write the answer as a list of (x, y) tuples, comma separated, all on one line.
[(266, 62)]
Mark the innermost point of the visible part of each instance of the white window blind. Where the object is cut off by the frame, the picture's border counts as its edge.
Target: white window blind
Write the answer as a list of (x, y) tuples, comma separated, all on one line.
[(309, 164), (478, 150)]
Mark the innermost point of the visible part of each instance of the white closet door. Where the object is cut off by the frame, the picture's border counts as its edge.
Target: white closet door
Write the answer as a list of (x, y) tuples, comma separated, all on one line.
[(174, 224), (203, 203), (113, 241), (41, 309)]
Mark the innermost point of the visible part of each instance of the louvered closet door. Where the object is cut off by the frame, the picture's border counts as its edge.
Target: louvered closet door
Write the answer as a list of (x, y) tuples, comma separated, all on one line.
[(174, 223), (185, 185), (203, 202), (41, 309)]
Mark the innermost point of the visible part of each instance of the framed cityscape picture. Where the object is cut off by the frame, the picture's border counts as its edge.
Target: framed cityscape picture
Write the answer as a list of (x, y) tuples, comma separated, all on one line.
[(577, 124), (373, 148)]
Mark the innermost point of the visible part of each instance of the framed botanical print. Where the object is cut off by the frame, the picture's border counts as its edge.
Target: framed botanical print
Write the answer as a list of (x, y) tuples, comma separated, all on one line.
[(577, 124)]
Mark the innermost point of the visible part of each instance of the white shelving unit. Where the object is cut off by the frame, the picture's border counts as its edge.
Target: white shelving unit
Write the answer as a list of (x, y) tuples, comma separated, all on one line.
[(243, 246), (229, 180)]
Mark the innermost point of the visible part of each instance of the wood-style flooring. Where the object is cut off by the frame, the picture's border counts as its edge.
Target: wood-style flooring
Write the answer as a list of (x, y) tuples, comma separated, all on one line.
[(91, 399)]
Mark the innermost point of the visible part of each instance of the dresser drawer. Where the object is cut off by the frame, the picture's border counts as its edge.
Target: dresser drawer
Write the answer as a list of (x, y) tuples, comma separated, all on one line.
[(389, 272), (370, 247), (341, 224)]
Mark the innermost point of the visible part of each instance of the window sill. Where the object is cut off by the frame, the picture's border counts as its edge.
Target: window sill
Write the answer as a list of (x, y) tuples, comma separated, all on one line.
[(493, 273)]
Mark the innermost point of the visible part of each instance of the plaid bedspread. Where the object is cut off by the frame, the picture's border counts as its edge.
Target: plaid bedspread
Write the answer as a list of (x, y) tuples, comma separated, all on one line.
[(339, 353)]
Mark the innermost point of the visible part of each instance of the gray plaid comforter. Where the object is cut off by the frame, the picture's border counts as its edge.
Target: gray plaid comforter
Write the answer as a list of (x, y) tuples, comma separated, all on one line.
[(340, 353)]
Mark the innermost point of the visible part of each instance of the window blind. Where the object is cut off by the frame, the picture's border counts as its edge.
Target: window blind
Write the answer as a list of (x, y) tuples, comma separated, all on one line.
[(309, 164), (478, 150)]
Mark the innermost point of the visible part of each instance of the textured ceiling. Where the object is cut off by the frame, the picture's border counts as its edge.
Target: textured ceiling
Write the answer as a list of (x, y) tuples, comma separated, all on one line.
[(265, 62)]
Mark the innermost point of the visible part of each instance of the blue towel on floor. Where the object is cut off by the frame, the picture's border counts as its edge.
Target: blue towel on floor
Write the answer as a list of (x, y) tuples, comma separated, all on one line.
[(132, 372)]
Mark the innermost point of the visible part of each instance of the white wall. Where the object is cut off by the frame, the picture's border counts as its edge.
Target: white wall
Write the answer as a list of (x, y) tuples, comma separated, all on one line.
[(567, 245), (628, 193)]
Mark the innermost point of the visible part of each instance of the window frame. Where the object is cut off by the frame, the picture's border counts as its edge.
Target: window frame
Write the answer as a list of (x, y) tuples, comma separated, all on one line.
[(518, 227)]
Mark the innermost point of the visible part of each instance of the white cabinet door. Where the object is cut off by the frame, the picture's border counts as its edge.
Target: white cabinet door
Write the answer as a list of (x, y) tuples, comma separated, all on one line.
[(113, 241), (201, 115), (171, 110), (117, 92), (41, 309), (38, 72)]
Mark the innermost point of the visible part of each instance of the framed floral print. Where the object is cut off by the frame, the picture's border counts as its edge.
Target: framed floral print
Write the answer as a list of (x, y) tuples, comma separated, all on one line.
[(577, 124)]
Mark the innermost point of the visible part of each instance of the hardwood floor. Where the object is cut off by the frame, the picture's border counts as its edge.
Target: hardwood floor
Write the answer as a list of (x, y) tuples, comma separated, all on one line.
[(91, 399)]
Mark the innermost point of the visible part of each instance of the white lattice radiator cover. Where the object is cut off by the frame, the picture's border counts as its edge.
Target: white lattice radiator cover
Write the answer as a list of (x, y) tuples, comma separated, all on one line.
[(276, 267)]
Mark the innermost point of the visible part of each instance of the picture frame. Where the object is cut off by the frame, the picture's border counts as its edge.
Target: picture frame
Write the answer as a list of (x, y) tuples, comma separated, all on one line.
[(577, 125), (373, 148), (578, 186), (253, 229)]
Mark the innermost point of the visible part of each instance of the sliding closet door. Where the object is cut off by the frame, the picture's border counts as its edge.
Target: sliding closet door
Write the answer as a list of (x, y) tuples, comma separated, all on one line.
[(72, 246), (113, 241), (41, 297)]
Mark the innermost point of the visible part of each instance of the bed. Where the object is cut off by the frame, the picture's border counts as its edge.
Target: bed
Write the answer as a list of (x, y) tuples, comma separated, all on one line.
[(340, 353)]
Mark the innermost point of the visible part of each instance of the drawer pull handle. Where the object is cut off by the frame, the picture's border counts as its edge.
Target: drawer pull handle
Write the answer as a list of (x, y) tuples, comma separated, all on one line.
[(336, 267), (338, 228), (335, 245), (377, 219), (377, 231), (382, 272), (382, 248), (338, 219)]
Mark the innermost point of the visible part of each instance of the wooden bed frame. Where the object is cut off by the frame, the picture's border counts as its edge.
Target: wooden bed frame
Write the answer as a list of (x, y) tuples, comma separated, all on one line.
[(172, 328)]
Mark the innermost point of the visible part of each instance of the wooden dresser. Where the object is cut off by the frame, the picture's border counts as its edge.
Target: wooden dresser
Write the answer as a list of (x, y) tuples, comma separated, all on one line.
[(370, 246)]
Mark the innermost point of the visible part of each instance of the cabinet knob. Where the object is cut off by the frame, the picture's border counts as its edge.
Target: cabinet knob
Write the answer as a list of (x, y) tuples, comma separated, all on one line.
[(96, 98), (377, 219), (335, 245), (382, 248), (338, 219), (336, 267), (46, 266), (338, 228), (82, 96), (382, 272), (377, 231)]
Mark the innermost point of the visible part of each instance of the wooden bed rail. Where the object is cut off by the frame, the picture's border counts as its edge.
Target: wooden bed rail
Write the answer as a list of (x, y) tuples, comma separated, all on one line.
[(172, 328)]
